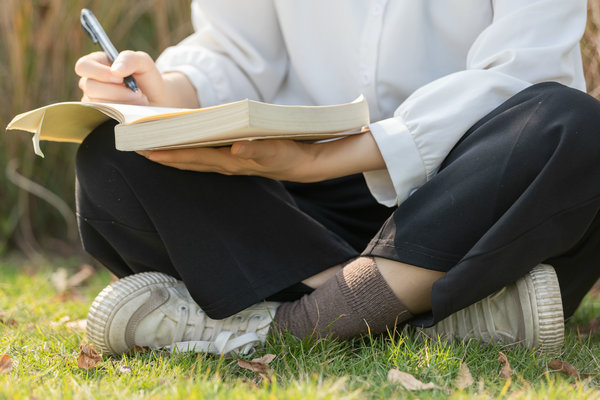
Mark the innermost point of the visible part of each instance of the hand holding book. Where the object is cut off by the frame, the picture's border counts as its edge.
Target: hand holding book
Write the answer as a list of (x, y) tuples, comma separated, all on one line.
[(288, 160), (191, 129)]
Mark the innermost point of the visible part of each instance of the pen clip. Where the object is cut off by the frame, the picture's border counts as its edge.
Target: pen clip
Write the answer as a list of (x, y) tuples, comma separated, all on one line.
[(87, 25)]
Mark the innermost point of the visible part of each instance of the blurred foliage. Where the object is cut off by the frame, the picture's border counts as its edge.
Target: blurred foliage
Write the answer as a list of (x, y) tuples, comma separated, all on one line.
[(590, 47), (40, 42)]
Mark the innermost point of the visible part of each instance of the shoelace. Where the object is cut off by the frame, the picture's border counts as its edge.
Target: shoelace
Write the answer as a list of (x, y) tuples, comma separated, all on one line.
[(479, 322), (224, 343), (184, 315)]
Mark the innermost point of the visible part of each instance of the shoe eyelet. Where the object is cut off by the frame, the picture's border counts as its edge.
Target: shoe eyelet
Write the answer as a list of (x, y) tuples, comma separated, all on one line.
[(238, 318), (257, 317), (183, 308)]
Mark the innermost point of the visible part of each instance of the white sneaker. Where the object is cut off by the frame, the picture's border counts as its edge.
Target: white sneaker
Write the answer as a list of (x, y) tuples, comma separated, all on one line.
[(527, 312), (156, 310)]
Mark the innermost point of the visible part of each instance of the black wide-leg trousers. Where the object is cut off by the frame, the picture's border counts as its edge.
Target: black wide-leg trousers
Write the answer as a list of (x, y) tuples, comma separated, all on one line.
[(521, 187)]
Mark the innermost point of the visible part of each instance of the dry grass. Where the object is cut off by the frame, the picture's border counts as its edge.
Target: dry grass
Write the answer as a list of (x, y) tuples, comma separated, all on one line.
[(42, 39), (591, 49)]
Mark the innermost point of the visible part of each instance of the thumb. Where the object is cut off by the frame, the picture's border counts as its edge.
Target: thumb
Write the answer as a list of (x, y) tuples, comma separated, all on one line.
[(251, 149)]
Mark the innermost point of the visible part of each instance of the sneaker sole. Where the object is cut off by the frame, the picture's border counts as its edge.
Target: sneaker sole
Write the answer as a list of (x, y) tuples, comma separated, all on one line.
[(111, 298), (543, 287)]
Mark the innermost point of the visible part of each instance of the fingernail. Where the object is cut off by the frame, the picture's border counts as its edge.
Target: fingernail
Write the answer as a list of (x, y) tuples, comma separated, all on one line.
[(240, 149)]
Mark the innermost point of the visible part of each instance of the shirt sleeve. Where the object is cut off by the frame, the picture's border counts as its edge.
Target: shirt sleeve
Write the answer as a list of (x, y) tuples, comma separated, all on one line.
[(231, 55), (527, 42)]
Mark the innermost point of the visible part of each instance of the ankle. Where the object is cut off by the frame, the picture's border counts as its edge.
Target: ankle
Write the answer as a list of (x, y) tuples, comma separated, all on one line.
[(411, 284), (319, 279), (355, 301)]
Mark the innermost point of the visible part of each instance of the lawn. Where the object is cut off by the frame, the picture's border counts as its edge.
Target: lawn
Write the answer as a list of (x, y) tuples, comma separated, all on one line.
[(41, 315)]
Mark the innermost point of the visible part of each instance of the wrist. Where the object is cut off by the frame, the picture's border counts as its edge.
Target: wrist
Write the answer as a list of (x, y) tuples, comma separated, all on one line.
[(350, 155), (179, 91)]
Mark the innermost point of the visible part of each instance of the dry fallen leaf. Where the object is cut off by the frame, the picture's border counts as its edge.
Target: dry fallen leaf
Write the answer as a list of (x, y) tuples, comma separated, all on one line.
[(138, 350), (408, 381), (59, 280), (66, 286), (266, 359), (83, 274), (505, 371), (78, 325), (4, 320), (563, 367), (5, 364), (69, 295), (567, 369), (60, 322), (480, 386), (124, 370), (9, 322), (464, 379), (259, 365), (89, 357)]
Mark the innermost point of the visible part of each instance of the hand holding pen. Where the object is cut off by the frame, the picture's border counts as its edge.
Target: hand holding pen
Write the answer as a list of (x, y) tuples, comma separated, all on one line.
[(107, 76), (93, 28)]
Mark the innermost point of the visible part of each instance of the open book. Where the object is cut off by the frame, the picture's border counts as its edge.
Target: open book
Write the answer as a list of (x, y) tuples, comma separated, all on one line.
[(143, 128)]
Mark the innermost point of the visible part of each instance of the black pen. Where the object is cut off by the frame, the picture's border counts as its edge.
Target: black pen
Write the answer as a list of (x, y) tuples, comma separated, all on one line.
[(93, 28)]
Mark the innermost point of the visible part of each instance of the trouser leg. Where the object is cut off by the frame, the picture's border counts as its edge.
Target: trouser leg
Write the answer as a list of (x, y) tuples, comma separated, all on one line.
[(578, 268), (233, 240), (520, 188)]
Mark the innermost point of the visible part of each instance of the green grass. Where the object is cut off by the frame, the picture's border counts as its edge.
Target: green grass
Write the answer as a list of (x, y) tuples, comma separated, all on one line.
[(44, 352)]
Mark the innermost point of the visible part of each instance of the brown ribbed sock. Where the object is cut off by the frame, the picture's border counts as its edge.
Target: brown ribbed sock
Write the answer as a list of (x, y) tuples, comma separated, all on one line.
[(355, 301)]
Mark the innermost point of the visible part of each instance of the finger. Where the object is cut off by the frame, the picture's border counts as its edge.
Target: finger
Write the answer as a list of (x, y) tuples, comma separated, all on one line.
[(111, 92), (173, 158), (242, 149), (96, 66), (202, 159), (194, 167), (255, 149), (132, 62), (142, 67), (196, 155)]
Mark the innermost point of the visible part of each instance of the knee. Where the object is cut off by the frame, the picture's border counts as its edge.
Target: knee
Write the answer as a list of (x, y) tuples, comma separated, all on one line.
[(101, 171), (94, 151), (576, 113), (569, 118)]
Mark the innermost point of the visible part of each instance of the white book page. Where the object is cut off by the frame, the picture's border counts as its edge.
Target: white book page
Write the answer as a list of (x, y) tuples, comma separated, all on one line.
[(131, 113)]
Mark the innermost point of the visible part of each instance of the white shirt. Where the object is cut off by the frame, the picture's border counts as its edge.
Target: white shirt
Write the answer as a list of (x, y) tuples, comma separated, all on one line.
[(430, 69)]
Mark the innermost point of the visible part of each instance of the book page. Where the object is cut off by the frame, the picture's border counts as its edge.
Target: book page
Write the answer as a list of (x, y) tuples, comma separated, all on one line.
[(131, 113), (73, 121), (63, 122)]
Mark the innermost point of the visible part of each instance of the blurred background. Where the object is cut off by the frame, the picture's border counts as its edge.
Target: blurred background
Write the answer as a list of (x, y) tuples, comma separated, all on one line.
[(40, 40)]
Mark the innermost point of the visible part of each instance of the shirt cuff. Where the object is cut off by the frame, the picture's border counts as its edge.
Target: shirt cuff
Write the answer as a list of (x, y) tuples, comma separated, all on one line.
[(204, 90), (405, 168)]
